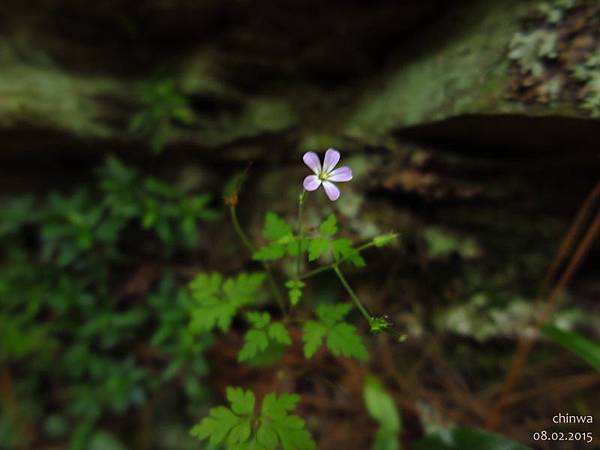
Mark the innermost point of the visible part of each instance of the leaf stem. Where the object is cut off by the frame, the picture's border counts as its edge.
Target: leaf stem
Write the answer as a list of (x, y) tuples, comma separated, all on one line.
[(299, 228), (352, 294), (244, 238), (331, 266)]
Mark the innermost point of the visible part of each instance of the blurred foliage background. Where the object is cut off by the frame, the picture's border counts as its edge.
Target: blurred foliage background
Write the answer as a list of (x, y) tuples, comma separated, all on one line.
[(472, 131)]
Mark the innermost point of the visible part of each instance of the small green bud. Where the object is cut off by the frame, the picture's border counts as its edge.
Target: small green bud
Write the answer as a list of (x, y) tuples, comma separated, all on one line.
[(379, 325), (384, 239)]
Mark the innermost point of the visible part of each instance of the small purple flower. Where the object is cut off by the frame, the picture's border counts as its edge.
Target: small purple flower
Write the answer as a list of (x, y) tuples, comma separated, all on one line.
[(327, 174)]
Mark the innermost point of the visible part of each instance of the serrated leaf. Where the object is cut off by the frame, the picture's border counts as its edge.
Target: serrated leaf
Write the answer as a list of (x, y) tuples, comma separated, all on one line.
[(243, 288), (297, 245), (330, 314), (240, 433), (232, 425), (216, 426), (289, 428), (242, 401), (271, 252), (312, 336), (266, 436), (215, 302), (293, 435), (275, 228), (254, 342), (295, 290), (279, 334), (343, 250), (276, 427), (277, 406), (205, 285), (258, 319), (262, 335), (343, 340), (329, 226), (317, 248)]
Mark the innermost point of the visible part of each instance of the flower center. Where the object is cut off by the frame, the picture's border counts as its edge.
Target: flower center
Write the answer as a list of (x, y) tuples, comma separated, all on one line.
[(322, 176)]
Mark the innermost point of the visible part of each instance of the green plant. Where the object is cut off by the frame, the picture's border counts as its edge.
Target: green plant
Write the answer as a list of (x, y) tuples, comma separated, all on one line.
[(64, 316), (585, 348), (163, 108), (383, 410), (218, 300), (240, 427)]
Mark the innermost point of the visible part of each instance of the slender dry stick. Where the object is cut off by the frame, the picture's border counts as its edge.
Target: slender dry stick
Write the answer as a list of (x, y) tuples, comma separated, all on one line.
[(244, 238), (527, 343), (570, 238)]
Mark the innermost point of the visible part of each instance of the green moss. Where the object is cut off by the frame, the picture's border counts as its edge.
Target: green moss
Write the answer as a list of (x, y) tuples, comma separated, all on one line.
[(51, 98), (463, 73)]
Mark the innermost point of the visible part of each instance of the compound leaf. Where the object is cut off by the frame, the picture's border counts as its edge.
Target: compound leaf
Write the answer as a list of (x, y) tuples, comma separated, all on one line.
[(329, 226)]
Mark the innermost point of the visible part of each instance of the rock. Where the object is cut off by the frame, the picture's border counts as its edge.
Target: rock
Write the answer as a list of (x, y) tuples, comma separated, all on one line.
[(462, 67)]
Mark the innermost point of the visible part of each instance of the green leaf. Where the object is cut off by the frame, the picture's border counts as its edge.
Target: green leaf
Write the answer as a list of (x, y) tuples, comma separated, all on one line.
[(317, 248), (384, 239), (331, 314), (293, 435), (466, 439), (297, 245), (343, 250), (216, 301), (576, 343), (254, 342), (259, 320), (277, 407), (313, 337), (342, 338), (279, 334), (263, 333), (242, 402), (290, 429), (266, 436), (232, 424), (271, 252), (329, 226), (295, 290), (240, 429), (382, 409), (275, 228)]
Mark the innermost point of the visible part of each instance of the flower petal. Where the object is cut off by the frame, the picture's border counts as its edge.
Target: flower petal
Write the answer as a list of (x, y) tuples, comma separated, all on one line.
[(311, 159), (340, 174), (332, 157), (311, 183), (331, 190)]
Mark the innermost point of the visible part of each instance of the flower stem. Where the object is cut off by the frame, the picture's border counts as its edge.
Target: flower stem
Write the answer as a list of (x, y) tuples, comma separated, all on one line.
[(299, 228), (239, 231), (352, 294), (244, 238), (321, 269)]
